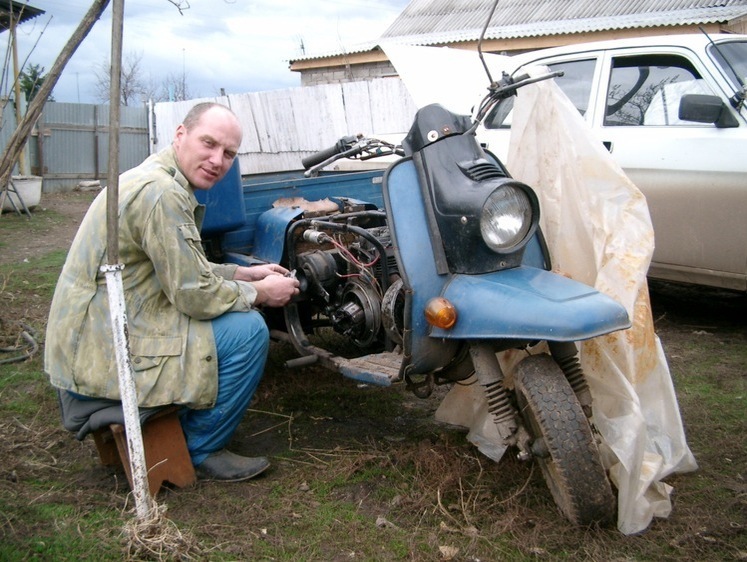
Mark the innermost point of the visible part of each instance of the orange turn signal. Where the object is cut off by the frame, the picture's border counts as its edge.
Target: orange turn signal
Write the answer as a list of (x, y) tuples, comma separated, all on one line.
[(440, 313)]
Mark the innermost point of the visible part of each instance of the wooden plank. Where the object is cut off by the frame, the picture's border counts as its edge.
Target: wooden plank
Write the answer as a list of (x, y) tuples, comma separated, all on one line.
[(283, 126)]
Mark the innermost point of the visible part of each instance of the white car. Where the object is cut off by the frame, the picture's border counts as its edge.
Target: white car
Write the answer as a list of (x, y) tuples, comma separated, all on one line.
[(671, 111)]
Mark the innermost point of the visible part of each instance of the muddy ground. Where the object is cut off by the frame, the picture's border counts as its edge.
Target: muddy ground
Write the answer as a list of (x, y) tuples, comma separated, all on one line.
[(294, 422)]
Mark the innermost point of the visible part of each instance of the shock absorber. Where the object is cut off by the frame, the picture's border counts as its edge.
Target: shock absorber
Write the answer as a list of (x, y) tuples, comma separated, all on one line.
[(490, 376), (498, 403), (566, 356)]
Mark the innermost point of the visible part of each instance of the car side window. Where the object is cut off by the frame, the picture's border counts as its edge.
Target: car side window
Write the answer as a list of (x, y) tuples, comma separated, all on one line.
[(575, 83), (645, 90)]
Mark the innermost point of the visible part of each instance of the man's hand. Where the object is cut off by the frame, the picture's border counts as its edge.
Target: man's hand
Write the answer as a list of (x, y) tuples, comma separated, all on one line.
[(258, 272), (275, 289)]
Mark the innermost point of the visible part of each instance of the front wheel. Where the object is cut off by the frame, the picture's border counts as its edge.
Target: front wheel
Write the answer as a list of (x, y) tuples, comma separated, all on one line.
[(563, 442)]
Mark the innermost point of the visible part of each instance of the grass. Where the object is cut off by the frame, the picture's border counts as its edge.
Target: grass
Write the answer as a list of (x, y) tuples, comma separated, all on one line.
[(26, 289), (13, 223), (361, 473), (22, 388), (36, 273), (62, 532), (434, 496)]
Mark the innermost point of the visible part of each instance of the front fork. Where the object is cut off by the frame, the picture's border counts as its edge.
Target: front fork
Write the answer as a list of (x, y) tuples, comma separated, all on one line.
[(566, 356), (490, 376)]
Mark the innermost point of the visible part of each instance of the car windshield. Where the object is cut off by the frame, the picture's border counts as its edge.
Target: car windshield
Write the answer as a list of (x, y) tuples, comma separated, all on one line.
[(731, 56)]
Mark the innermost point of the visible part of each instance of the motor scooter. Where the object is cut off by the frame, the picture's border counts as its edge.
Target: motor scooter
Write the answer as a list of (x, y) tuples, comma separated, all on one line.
[(430, 289)]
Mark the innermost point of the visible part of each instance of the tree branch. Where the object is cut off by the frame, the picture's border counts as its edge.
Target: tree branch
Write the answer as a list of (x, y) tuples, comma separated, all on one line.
[(19, 137)]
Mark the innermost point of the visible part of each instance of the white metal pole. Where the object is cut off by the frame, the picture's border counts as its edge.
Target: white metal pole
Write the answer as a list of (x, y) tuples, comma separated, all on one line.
[(138, 468), (144, 504)]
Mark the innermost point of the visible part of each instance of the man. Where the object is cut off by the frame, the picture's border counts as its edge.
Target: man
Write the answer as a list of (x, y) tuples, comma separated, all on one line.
[(195, 339)]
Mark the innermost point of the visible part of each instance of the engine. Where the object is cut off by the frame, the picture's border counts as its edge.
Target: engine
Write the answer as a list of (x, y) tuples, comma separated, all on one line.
[(349, 278)]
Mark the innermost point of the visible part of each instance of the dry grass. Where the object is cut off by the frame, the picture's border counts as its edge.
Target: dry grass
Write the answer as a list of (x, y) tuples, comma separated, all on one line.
[(156, 537), (359, 473)]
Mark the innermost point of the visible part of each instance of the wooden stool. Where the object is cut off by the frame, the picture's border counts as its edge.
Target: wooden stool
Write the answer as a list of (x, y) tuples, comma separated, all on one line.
[(166, 455)]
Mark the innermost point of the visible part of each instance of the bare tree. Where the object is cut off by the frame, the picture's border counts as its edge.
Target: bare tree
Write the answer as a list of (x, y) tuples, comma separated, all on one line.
[(133, 87), (172, 87), (175, 87)]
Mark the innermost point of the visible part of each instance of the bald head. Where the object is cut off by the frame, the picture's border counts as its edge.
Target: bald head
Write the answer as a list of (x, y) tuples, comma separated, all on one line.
[(195, 114), (206, 143)]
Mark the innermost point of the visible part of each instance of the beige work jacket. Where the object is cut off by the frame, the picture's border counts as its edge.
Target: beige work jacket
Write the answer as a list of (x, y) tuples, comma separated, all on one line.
[(171, 292)]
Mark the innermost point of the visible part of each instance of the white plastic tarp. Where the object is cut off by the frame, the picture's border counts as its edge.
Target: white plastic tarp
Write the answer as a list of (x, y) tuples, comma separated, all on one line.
[(454, 78), (599, 232)]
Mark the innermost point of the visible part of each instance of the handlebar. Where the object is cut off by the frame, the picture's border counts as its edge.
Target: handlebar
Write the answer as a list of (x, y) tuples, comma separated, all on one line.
[(338, 148), (354, 147), (363, 148), (505, 88)]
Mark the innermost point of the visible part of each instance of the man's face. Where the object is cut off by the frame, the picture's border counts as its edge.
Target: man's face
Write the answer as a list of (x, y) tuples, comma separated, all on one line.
[(205, 153)]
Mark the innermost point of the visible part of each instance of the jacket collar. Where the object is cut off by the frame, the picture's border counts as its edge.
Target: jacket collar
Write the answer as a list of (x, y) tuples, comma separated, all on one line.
[(167, 157)]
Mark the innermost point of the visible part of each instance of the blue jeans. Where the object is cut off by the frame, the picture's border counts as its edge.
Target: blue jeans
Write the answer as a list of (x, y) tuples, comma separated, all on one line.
[(242, 341)]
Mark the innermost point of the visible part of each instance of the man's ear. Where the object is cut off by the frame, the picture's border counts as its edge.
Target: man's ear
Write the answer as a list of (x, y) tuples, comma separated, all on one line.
[(181, 130)]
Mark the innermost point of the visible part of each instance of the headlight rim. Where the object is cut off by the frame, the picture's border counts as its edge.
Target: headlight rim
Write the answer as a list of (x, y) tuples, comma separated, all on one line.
[(528, 225)]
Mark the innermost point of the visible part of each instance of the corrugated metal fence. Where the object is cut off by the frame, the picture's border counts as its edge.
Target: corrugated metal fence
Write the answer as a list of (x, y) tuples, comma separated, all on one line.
[(70, 142)]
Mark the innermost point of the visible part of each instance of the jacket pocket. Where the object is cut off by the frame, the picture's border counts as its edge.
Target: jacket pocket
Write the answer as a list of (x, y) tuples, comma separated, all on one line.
[(149, 352), (190, 233)]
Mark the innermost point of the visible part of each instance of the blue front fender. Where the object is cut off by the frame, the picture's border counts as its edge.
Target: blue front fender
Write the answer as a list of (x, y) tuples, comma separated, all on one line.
[(529, 303)]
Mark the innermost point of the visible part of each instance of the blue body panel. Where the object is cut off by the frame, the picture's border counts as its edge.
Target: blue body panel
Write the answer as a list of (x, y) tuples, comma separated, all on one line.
[(408, 227), (269, 238), (529, 303), (224, 204), (521, 303), (261, 191), (271, 227)]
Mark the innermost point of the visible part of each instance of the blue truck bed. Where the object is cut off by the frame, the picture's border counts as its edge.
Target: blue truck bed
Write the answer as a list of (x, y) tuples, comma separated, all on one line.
[(234, 204)]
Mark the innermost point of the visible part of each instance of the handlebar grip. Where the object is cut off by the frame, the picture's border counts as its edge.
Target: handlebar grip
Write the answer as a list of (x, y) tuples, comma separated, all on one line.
[(342, 145), (321, 156)]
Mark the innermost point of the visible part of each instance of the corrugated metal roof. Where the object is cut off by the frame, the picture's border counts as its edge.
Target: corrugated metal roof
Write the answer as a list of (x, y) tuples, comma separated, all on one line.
[(438, 22), (19, 12), (428, 22), (357, 48)]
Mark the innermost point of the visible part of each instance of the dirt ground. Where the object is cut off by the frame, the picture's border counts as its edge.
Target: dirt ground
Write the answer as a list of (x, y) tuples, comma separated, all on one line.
[(681, 314), (59, 213)]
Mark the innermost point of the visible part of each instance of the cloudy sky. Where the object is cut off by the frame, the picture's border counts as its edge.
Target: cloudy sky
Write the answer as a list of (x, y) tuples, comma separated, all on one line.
[(238, 45)]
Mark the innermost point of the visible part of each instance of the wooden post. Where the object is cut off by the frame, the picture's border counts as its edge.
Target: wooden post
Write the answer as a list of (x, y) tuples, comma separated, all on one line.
[(22, 169)]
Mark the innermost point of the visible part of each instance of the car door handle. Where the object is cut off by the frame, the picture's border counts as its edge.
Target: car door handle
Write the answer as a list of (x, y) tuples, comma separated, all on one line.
[(607, 145)]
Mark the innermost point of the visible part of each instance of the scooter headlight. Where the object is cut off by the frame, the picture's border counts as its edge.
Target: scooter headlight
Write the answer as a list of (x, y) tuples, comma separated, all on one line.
[(506, 218)]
